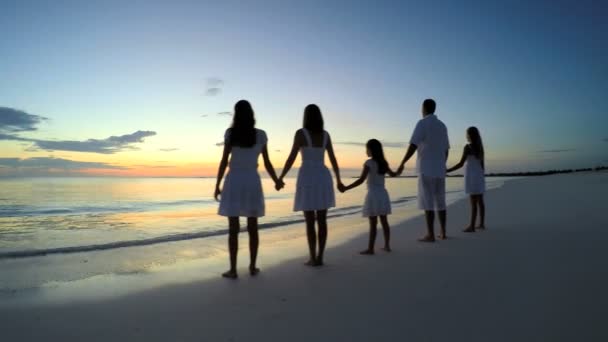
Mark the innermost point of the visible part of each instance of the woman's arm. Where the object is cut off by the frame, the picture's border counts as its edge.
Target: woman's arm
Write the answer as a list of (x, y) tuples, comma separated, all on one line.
[(360, 180), (391, 172), (465, 153), (332, 159), (222, 169), (295, 148), (270, 169)]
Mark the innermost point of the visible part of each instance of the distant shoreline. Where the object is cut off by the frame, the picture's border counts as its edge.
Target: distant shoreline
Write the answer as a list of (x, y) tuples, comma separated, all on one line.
[(526, 174), (498, 174)]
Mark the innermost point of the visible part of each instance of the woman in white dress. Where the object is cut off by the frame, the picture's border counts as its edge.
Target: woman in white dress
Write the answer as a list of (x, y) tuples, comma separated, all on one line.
[(314, 188), (377, 202), (242, 193), (474, 179)]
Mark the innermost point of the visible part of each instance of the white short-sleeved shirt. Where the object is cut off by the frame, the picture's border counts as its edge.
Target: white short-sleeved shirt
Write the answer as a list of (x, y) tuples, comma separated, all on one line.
[(431, 138)]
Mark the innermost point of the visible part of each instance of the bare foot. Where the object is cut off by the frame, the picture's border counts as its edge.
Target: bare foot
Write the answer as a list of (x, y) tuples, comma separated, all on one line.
[(482, 227), (319, 263), (386, 249), (469, 229), (442, 237), (367, 252), (230, 274), (427, 238), (310, 262), (253, 271)]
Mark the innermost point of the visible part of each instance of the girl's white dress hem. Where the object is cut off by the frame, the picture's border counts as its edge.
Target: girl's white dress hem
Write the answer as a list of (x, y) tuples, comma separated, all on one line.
[(377, 201), (242, 194), (315, 186)]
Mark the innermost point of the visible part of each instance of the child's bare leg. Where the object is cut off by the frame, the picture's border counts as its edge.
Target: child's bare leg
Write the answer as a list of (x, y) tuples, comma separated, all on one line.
[(233, 246), (322, 223), (482, 212), (311, 235), (442, 221), (373, 230), (254, 242), (471, 227), (386, 229)]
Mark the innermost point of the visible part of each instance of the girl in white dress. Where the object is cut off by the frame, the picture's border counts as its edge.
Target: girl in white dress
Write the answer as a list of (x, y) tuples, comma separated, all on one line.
[(474, 179), (314, 187), (377, 202), (242, 193)]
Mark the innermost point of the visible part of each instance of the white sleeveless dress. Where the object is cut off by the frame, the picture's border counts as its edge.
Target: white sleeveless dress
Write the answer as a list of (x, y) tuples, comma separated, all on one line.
[(315, 186), (242, 194), (377, 202), (474, 179)]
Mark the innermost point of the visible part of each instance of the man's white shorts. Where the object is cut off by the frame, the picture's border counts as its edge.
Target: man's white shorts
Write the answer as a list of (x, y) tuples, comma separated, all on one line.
[(431, 193)]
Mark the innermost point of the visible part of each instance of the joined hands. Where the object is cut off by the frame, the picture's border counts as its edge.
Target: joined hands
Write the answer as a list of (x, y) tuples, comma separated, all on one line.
[(279, 184)]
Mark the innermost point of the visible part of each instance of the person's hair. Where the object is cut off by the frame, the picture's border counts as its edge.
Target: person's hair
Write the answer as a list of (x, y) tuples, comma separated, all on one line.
[(242, 133), (476, 143), (313, 119), (429, 106), (375, 148)]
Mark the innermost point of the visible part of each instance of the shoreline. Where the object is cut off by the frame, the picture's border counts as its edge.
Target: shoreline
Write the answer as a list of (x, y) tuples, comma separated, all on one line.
[(168, 262), (533, 275)]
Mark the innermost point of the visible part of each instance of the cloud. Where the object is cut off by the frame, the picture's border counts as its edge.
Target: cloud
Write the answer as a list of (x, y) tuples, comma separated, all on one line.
[(224, 114), (219, 143), (55, 163), (605, 140), (387, 144), (204, 115), (558, 151), (155, 166), (109, 145), (14, 120), (169, 149), (214, 86)]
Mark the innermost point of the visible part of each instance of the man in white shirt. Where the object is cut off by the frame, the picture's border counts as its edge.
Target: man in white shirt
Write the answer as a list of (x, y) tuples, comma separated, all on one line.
[(430, 139)]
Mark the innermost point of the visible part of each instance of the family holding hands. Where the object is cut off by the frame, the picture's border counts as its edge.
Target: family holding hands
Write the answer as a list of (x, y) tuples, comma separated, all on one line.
[(242, 195)]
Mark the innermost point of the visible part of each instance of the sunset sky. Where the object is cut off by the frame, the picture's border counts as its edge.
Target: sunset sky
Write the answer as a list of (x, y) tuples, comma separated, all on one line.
[(146, 88)]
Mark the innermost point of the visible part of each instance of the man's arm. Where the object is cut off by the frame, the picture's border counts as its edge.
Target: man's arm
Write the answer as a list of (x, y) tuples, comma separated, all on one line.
[(410, 152)]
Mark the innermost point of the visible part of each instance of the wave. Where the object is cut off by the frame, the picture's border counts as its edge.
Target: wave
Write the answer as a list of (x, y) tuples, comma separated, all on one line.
[(283, 221), (28, 210)]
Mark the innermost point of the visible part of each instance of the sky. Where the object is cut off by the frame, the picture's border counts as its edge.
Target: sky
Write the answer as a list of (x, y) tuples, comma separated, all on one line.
[(147, 88)]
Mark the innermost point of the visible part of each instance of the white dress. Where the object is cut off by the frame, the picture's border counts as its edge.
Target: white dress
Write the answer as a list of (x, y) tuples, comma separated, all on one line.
[(242, 194), (315, 186), (377, 202), (474, 180)]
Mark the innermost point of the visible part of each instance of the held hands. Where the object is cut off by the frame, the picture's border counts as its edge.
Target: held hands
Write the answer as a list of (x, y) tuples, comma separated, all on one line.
[(399, 170), (341, 187), (279, 184)]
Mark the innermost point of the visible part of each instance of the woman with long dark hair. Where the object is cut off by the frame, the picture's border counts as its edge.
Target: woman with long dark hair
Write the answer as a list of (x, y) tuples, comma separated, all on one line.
[(242, 194), (474, 179), (314, 188), (377, 201)]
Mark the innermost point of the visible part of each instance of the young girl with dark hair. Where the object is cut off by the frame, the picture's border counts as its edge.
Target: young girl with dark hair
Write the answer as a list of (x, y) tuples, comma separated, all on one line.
[(474, 180), (242, 193), (314, 187), (377, 201)]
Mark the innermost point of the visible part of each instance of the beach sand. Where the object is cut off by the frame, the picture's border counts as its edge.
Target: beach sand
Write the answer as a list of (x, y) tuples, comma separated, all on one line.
[(537, 274)]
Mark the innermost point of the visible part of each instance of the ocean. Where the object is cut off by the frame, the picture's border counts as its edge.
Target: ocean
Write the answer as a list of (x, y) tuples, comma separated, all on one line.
[(79, 230), (42, 216)]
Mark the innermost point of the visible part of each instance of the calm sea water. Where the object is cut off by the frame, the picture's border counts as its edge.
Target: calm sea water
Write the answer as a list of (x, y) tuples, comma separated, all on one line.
[(41, 216)]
